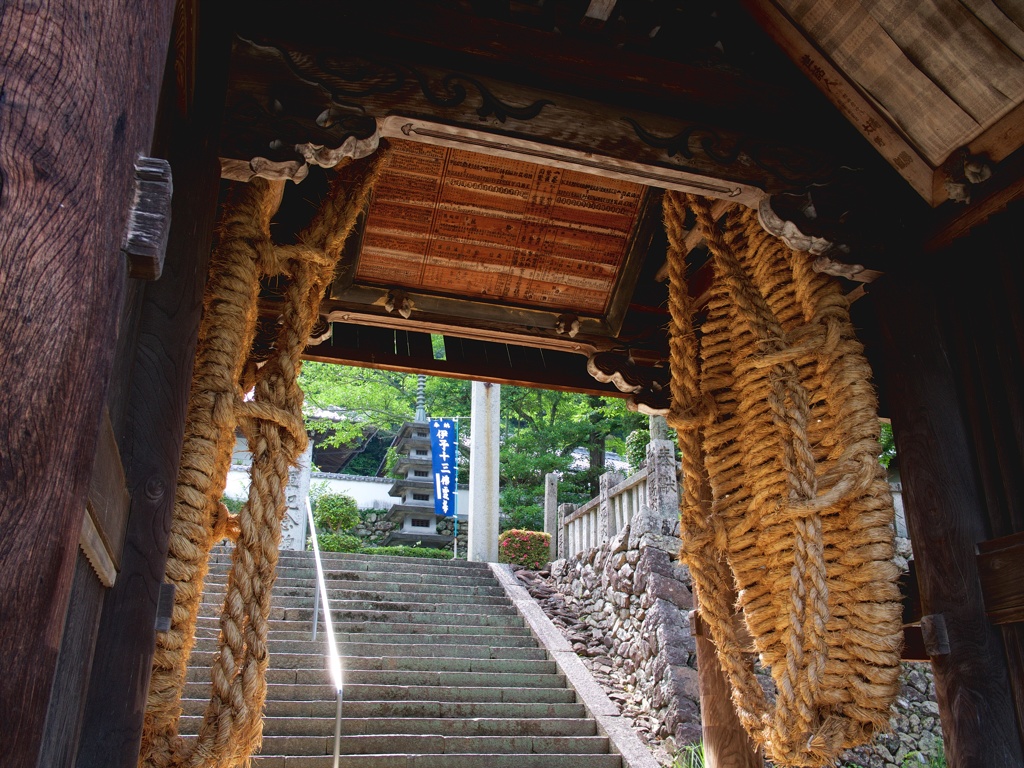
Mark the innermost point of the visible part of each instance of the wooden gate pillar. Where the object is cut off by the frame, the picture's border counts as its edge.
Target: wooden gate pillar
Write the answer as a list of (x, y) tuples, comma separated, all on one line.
[(157, 391), (945, 508), (77, 107)]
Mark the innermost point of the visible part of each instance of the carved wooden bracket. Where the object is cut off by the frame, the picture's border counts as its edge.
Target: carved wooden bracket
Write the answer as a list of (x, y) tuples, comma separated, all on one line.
[(649, 395)]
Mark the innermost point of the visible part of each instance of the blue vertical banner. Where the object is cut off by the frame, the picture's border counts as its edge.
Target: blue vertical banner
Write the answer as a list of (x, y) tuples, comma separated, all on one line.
[(444, 441)]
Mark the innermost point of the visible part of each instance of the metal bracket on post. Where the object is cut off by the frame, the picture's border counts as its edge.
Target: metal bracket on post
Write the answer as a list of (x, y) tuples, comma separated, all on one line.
[(149, 220), (165, 607), (934, 634)]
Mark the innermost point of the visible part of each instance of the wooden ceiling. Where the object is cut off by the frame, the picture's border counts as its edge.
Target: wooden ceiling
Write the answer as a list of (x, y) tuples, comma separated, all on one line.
[(529, 143)]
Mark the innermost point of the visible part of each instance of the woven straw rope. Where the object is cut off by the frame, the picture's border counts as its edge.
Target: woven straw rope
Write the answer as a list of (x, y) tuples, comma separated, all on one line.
[(784, 500), (272, 423)]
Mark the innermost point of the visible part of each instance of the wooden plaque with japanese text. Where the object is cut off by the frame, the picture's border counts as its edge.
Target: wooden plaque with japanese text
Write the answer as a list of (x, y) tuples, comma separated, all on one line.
[(506, 231)]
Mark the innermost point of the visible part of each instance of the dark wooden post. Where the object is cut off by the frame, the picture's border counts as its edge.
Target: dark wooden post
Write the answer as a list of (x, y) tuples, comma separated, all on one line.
[(946, 515), (158, 389), (77, 106), (726, 744)]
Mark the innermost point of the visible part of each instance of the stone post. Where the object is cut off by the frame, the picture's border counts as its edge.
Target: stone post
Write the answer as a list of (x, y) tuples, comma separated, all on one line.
[(551, 520), (294, 522), (657, 523), (663, 485), (483, 473), (604, 508), (564, 510), (658, 427)]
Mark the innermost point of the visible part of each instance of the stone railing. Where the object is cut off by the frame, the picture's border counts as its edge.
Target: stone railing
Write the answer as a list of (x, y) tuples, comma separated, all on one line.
[(655, 488), (600, 519)]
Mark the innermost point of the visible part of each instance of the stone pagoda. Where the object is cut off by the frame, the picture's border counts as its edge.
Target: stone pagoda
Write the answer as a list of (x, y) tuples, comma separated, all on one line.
[(413, 514)]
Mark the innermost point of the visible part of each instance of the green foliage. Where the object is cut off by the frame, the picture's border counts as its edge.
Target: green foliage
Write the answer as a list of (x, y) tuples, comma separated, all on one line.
[(690, 756), (526, 548), (335, 513), (540, 429), (887, 444), (403, 551), (390, 460), (234, 505), (636, 448), (525, 512), (339, 542), (920, 760)]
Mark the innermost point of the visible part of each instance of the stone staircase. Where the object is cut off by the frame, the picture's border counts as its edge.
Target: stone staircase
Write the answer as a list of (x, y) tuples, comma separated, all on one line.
[(440, 672)]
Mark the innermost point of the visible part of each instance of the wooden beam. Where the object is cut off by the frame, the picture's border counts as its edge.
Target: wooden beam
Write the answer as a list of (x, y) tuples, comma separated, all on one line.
[(157, 393), (564, 62), (427, 101), (726, 744), (466, 359), (946, 519), (78, 106), (108, 500)]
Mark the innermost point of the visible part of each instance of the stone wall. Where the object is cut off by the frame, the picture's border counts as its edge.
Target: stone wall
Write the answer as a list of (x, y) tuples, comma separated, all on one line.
[(624, 605), (372, 527), (631, 600), (446, 527), (634, 601)]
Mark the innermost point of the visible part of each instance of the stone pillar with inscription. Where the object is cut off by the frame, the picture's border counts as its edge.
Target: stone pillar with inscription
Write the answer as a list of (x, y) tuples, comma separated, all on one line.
[(483, 473), (293, 524), (551, 525), (658, 523), (606, 482)]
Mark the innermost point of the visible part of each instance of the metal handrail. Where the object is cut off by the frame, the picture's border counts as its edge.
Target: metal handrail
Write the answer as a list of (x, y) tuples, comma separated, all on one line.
[(334, 660)]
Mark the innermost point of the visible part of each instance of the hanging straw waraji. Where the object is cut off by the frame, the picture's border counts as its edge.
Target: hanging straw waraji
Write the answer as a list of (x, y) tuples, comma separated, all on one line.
[(784, 499)]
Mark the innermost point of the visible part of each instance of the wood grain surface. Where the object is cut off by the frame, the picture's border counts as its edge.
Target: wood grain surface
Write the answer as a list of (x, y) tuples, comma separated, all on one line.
[(946, 513), (77, 105), (157, 392)]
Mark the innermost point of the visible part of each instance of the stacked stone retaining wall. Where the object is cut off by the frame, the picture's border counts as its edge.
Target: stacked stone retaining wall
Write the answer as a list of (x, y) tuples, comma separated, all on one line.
[(628, 603)]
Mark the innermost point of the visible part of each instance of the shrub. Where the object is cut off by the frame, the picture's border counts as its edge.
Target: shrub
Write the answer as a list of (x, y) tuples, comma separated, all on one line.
[(636, 449), (527, 548), (339, 542), (403, 551), (335, 513), (234, 505)]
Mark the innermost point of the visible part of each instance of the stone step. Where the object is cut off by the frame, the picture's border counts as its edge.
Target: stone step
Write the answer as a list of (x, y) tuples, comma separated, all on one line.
[(402, 617), (440, 672), (224, 556), (211, 604), (381, 585), (370, 692), (315, 653), (440, 761), (352, 726), (288, 663), (199, 672), (365, 628), (411, 645), (398, 634), (389, 710), (215, 592), (437, 577), (417, 678), (421, 744)]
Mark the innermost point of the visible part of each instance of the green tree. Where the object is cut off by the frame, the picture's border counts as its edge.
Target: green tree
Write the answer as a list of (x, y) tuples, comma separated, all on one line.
[(364, 408), (540, 429)]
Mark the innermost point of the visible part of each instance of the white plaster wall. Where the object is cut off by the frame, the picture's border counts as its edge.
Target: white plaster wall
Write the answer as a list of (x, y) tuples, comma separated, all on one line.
[(369, 492)]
